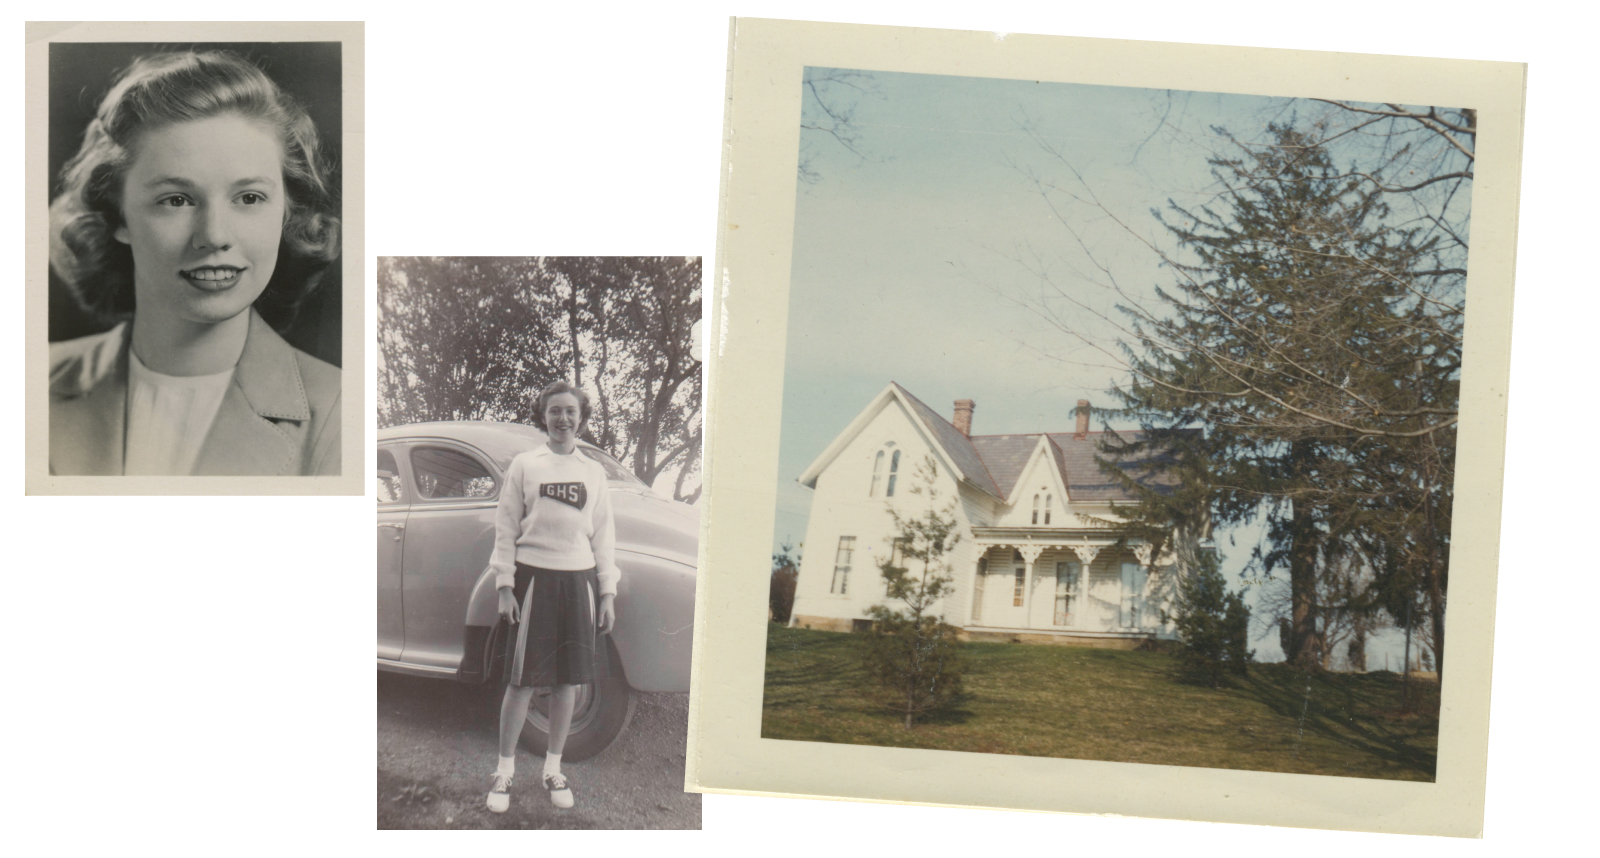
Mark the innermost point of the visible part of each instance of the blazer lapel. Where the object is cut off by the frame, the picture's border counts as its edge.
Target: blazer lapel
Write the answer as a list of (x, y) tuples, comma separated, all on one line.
[(88, 409), (246, 438)]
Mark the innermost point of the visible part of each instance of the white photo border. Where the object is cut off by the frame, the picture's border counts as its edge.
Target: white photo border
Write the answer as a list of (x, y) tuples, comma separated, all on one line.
[(351, 479), (747, 339)]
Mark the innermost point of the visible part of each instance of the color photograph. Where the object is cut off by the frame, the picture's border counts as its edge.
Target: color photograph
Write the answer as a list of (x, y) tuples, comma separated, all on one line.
[(1160, 385), (1084, 434)]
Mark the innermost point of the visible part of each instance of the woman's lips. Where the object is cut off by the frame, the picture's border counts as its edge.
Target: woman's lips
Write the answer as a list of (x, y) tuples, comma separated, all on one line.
[(212, 278)]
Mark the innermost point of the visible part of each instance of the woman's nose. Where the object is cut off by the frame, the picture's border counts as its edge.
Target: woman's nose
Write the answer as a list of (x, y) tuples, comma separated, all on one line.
[(212, 231)]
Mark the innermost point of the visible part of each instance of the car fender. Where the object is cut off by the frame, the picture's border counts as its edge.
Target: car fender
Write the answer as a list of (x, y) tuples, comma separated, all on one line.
[(655, 621)]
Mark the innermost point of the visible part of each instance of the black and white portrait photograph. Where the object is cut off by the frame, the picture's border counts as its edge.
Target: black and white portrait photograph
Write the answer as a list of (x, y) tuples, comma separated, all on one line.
[(538, 468), (196, 241), (1114, 424)]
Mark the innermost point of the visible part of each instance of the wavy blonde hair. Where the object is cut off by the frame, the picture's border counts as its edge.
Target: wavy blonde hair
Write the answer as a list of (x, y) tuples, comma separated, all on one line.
[(157, 91)]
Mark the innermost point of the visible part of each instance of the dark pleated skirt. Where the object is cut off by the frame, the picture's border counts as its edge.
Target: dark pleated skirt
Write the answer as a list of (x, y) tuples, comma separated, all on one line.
[(555, 642)]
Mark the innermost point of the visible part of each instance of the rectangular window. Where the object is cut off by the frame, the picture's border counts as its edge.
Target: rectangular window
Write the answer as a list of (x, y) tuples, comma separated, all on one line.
[(841, 565), (1132, 594), (897, 553), (389, 487), (1020, 587), (444, 474), (1066, 584)]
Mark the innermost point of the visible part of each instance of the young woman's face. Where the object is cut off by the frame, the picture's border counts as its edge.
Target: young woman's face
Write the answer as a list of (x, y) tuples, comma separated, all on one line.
[(563, 417), (202, 208)]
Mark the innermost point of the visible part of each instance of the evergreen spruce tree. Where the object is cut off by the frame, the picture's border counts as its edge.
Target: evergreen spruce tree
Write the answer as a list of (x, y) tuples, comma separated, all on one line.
[(1213, 624), (1317, 345), (913, 654)]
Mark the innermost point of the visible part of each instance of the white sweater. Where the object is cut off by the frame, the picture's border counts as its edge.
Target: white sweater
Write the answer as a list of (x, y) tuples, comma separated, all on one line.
[(555, 513)]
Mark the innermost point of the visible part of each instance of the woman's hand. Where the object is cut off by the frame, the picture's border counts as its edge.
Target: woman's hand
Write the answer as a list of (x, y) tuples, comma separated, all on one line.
[(508, 606), (608, 614)]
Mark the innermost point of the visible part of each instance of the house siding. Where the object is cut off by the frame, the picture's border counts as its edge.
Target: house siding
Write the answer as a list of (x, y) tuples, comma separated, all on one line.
[(842, 505)]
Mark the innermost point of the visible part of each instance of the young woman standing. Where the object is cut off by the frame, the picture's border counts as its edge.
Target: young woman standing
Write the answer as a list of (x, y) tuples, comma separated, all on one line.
[(554, 567)]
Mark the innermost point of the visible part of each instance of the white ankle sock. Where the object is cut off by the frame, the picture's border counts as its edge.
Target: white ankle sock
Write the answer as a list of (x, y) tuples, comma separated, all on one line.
[(508, 766), (552, 764)]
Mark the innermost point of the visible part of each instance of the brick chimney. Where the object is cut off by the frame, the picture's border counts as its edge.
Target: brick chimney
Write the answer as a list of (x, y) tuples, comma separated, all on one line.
[(963, 419), (1083, 421)]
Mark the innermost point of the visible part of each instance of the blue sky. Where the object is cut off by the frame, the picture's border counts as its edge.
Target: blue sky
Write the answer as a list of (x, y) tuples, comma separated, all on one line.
[(908, 258), (906, 261)]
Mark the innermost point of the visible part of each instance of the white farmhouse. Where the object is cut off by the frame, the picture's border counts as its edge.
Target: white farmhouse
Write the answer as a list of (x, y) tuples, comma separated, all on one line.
[(1033, 563)]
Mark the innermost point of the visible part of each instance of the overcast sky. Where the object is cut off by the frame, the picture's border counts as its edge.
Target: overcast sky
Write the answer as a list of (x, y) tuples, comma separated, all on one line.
[(909, 257)]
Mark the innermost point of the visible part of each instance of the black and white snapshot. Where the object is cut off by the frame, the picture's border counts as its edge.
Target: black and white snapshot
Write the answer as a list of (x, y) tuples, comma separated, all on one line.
[(538, 469), (195, 291)]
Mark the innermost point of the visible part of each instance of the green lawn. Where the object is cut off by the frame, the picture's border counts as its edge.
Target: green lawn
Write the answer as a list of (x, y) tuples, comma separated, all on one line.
[(1094, 704)]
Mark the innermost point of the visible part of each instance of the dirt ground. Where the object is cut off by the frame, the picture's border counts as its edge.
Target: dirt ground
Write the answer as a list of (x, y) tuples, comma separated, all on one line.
[(436, 751)]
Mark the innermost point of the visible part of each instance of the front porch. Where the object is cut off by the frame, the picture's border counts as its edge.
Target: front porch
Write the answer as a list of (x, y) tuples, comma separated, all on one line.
[(1051, 585)]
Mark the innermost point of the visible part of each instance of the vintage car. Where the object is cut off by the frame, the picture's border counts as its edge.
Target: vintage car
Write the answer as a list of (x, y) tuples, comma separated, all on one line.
[(438, 484)]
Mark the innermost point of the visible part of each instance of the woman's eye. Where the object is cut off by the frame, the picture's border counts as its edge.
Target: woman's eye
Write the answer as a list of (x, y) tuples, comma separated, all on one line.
[(174, 201), (251, 198)]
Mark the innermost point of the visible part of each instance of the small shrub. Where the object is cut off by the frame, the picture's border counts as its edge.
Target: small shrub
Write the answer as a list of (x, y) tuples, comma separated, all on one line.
[(913, 654), (1212, 623), (780, 595), (916, 660)]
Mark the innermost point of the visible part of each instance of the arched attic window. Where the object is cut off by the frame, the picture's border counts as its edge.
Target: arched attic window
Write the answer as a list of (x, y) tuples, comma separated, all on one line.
[(1035, 509), (877, 473), (1047, 509), (894, 471)]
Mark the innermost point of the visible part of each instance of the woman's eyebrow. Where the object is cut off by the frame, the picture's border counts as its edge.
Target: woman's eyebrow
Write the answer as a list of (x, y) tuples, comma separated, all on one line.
[(180, 182)]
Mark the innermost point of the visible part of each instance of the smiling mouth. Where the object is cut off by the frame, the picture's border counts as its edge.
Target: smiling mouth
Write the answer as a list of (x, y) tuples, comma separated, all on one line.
[(213, 278)]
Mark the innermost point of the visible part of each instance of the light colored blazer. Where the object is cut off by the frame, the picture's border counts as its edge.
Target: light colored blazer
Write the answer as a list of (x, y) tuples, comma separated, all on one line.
[(280, 415)]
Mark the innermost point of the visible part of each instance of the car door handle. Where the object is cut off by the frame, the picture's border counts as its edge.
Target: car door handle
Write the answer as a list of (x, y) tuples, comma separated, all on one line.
[(398, 527)]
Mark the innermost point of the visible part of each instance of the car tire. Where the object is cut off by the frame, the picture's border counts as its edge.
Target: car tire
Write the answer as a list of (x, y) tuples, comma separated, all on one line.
[(602, 712)]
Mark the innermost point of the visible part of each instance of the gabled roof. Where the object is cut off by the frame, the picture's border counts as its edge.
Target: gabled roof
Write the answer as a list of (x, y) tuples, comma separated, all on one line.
[(1090, 483), (994, 463), (956, 449), (1006, 455), (958, 446)]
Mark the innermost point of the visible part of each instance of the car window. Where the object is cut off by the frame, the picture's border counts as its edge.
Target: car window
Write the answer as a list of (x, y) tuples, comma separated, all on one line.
[(390, 489), (614, 469), (445, 473)]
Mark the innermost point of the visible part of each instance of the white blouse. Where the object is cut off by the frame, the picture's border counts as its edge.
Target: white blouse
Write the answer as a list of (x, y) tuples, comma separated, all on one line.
[(169, 417)]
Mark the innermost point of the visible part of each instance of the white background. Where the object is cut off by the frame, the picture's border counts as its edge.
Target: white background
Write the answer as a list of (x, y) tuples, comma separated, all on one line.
[(192, 674)]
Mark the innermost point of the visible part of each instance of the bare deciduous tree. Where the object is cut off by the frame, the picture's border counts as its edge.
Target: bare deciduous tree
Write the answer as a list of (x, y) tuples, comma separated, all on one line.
[(463, 338)]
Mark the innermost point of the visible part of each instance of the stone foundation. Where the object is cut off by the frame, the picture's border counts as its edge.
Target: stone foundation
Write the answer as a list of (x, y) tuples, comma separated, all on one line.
[(823, 624), (1140, 643), (844, 624)]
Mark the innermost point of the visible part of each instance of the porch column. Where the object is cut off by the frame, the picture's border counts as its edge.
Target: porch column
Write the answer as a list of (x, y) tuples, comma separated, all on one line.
[(980, 571), (1086, 554), (1030, 553)]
